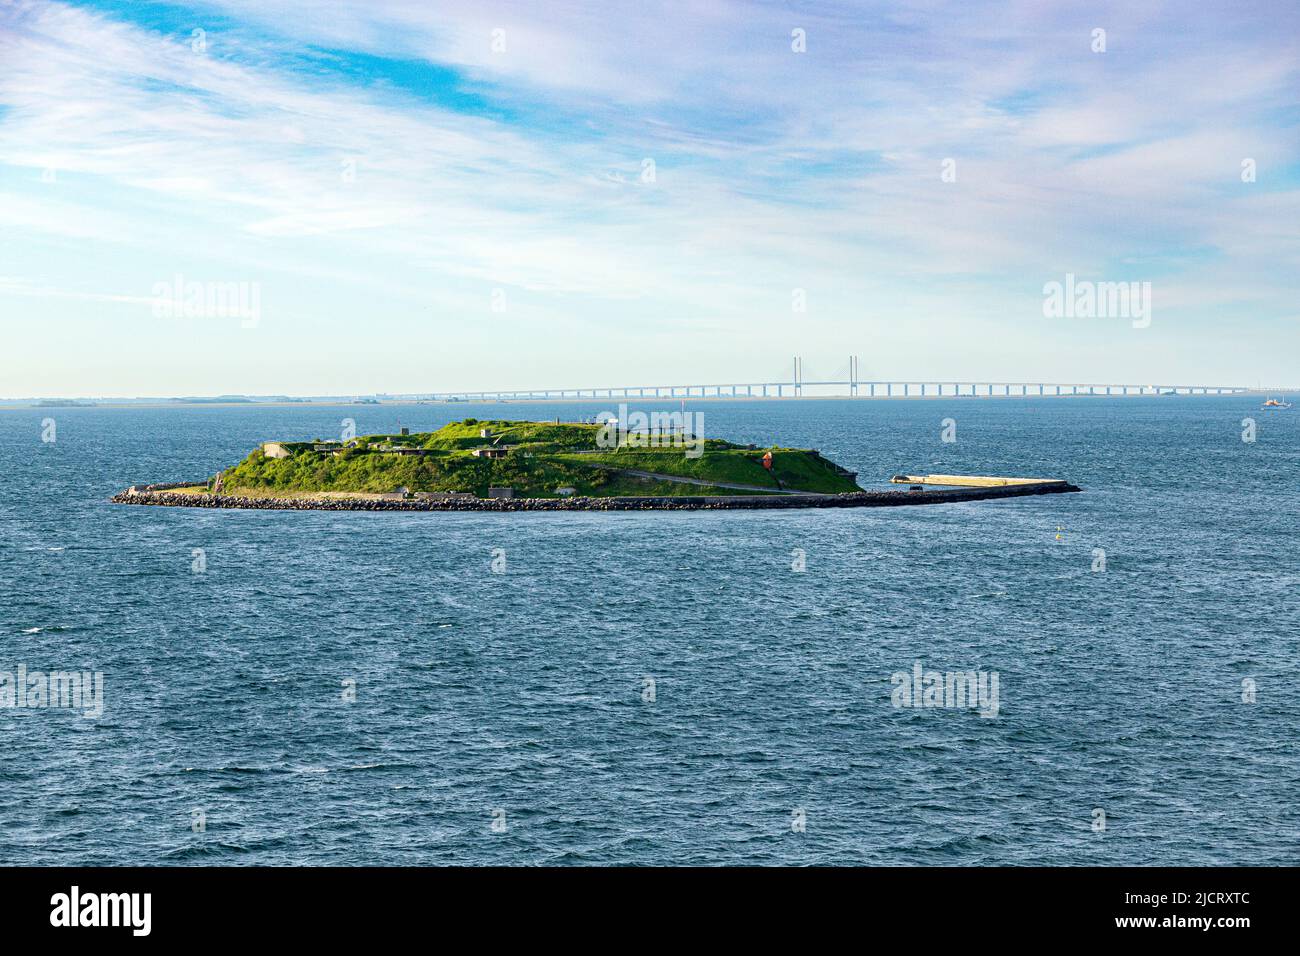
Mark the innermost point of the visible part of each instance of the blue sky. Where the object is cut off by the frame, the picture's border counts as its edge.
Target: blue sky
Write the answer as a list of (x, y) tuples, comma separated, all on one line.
[(421, 209)]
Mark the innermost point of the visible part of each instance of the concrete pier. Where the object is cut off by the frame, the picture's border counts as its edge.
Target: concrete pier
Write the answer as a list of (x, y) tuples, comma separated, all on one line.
[(971, 481)]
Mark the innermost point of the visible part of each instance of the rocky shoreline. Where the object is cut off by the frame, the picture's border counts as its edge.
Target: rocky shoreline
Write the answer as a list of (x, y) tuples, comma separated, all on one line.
[(158, 495)]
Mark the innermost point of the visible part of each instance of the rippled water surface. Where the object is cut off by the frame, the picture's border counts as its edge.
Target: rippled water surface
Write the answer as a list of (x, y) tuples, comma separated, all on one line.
[(520, 697)]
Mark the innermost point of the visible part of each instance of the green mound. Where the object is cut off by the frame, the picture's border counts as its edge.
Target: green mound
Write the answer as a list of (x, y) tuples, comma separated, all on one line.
[(535, 459)]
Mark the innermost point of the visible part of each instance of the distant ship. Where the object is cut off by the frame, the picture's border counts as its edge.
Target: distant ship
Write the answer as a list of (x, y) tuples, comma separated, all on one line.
[(1275, 403)]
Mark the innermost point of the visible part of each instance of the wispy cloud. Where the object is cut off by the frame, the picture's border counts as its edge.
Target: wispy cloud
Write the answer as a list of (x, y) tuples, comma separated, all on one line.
[(621, 172)]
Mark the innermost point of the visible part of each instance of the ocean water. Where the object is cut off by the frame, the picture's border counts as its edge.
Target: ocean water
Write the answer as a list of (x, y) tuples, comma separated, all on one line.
[(504, 718)]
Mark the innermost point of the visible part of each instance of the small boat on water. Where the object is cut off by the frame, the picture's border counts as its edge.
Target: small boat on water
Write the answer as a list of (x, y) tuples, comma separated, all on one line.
[(1275, 403)]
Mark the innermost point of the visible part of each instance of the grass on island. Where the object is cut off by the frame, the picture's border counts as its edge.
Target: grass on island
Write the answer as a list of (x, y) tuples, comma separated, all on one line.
[(540, 458), (792, 469)]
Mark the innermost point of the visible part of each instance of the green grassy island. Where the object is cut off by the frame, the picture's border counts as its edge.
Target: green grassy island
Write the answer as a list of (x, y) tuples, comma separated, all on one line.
[(531, 460)]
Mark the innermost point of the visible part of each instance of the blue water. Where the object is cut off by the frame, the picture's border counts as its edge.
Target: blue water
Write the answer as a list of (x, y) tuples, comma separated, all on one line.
[(522, 691)]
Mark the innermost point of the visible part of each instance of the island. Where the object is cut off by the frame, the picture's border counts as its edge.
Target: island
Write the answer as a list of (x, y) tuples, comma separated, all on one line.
[(504, 465)]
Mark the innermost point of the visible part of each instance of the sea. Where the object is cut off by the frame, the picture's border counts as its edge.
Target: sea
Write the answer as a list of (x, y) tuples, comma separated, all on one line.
[(664, 688)]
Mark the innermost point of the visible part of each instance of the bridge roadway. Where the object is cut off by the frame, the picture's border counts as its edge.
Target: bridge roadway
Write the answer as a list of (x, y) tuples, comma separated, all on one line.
[(850, 389)]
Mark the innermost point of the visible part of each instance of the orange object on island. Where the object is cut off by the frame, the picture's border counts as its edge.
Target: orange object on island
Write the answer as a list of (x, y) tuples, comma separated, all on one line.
[(767, 461)]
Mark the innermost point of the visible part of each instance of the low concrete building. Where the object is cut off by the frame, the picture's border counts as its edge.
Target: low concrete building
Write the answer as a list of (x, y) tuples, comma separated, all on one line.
[(274, 449), (566, 492), (489, 452), (501, 492), (485, 433)]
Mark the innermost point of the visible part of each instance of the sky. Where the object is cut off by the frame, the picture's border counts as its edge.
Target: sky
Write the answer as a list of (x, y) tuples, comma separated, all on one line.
[(431, 196)]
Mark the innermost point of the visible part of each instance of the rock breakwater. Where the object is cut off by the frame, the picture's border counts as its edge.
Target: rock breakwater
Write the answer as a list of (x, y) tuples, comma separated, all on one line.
[(159, 496)]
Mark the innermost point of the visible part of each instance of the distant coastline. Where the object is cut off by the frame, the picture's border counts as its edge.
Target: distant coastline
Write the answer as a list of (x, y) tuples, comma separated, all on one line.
[(600, 396)]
